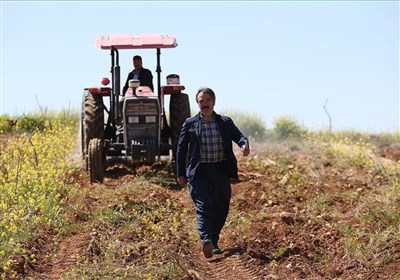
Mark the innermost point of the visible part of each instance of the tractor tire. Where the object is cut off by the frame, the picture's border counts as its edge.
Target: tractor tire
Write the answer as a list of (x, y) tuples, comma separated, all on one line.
[(96, 161), (92, 120), (82, 125), (179, 111), (81, 135)]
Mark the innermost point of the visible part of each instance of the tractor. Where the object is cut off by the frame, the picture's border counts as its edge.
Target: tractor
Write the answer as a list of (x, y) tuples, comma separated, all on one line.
[(132, 125)]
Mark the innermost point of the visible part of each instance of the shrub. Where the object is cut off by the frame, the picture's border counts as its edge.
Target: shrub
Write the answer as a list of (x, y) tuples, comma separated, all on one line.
[(36, 121), (250, 124), (29, 123), (287, 127), (7, 124)]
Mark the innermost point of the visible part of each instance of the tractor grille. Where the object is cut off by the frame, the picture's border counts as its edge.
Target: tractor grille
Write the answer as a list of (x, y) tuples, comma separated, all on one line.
[(145, 142), (141, 122), (136, 106)]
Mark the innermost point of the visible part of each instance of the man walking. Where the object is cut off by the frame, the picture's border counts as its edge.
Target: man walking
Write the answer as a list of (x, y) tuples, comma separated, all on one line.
[(207, 141)]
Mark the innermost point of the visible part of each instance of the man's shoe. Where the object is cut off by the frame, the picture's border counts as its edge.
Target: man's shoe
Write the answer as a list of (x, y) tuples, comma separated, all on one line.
[(207, 249), (216, 251)]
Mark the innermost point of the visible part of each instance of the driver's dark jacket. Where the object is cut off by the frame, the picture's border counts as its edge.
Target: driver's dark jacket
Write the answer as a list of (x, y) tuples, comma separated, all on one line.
[(145, 78)]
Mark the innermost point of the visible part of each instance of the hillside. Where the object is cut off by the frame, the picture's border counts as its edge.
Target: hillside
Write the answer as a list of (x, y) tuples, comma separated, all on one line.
[(295, 214), (322, 207)]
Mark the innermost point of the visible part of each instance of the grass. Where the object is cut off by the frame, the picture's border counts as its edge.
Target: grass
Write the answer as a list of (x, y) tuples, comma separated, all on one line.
[(326, 179), (128, 233), (138, 230)]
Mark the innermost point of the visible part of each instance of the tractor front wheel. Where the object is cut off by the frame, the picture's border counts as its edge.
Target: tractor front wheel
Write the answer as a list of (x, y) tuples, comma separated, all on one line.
[(92, 120), (96, 161), (179, 111)]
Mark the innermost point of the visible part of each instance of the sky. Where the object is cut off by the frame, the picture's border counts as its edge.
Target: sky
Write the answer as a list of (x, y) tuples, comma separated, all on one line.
[(270, 58)]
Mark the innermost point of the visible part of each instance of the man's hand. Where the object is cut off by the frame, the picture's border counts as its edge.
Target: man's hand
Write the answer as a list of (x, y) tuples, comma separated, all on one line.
[(182, 181), (245, 149)]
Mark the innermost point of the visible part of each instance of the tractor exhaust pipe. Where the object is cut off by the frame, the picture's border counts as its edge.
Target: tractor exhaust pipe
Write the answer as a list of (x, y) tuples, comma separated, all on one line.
[(116, 83)]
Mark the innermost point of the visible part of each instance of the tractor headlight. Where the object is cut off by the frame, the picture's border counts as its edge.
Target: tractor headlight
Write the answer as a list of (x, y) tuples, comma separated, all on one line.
[(150, 119), (133, 119)]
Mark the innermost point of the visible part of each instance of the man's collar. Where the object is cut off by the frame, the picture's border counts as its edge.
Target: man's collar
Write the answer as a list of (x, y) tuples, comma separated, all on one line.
[(212, 118)]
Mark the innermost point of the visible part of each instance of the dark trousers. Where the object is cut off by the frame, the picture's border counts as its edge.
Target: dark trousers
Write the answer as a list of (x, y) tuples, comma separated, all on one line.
[(210, 190)]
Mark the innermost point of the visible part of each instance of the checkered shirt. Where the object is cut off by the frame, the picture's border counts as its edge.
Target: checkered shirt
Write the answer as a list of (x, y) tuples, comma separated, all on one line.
[(211, 147)]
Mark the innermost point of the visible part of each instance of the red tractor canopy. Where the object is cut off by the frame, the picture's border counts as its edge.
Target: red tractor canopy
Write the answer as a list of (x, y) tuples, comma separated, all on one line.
[(143, 41)]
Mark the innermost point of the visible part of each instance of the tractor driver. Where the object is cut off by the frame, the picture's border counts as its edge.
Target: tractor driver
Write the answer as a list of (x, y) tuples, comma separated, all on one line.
[(142, 74)]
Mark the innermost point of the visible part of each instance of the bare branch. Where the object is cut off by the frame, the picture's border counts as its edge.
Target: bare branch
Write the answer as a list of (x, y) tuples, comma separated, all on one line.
[(40, 107), (329, 116)]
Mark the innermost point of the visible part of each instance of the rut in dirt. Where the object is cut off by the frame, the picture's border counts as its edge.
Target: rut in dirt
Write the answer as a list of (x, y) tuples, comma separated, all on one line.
[(228, 266), (233, 263), (67, 255)]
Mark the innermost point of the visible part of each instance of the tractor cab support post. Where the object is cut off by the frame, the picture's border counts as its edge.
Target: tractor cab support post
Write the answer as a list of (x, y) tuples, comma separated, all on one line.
[(116, 83), (161, 98), (158, 70)]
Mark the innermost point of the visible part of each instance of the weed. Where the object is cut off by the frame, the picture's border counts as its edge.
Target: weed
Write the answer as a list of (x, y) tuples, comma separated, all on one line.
[(33, 186)]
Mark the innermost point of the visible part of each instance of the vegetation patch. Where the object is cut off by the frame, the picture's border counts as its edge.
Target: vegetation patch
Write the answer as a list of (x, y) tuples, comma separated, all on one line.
[(35, 178), (126, 237), (308, 204)]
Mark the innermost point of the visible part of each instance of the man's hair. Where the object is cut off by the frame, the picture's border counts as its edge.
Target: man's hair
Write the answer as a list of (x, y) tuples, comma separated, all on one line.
[(137, 57), (207, 90)]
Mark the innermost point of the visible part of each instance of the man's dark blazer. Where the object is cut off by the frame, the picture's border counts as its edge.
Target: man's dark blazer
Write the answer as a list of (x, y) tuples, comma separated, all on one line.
[(145, 78), (189, 139)]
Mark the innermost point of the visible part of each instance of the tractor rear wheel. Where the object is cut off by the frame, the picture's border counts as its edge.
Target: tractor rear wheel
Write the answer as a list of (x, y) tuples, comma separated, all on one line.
[(92, 120), (179, 111), (96, 160), (82, 134)]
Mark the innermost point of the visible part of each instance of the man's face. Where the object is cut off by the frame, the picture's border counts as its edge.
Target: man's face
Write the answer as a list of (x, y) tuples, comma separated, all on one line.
[(206, 104), (137, 63)]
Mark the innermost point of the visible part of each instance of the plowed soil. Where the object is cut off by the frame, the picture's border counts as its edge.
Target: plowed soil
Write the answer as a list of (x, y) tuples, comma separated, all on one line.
[(268, 234)]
